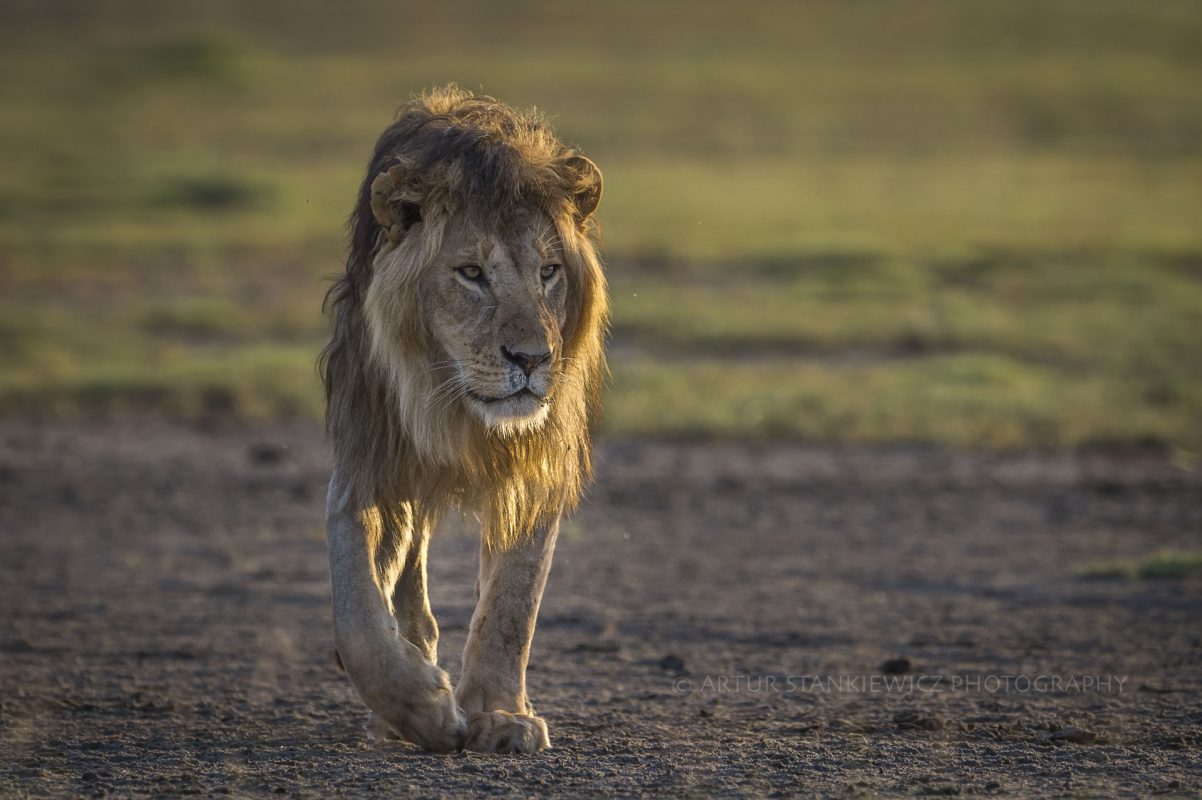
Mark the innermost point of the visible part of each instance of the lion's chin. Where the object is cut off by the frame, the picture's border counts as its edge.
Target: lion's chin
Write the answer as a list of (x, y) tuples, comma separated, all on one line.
[(520, 412)]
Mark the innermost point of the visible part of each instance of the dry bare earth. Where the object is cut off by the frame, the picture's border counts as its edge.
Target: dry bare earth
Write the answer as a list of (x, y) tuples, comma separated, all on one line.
[(165, 623)]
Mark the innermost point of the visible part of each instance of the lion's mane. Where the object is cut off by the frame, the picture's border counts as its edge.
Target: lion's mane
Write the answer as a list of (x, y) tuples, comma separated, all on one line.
[(403, 458)]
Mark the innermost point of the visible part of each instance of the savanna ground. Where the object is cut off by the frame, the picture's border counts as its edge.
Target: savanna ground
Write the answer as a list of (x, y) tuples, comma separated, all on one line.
[(907, 299), (166, 626)]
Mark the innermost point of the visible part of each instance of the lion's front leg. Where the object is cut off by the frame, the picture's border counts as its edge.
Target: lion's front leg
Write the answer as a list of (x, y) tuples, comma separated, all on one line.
[(492, 690), (405, 690), (411, 601)]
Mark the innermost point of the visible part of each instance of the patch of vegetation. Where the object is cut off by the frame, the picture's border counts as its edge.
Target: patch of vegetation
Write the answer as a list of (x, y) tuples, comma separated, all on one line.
[(196, 56), (1164, 565), (825, 220), (263, 380), (966, 399), (225, 193)]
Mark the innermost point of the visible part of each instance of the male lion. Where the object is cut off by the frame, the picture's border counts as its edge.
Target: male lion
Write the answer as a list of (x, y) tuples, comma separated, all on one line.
[(465, 362)]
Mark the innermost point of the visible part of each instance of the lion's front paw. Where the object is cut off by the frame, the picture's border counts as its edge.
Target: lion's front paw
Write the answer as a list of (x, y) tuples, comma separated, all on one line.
[(502, 732), (377, 729), (427, 716)]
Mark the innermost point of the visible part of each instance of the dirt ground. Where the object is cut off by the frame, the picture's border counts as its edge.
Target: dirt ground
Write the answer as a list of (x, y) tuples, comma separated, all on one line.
[(718, 622)]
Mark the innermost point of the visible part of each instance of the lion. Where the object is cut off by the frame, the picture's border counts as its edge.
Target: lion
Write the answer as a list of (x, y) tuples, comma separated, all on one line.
[(464, 368)]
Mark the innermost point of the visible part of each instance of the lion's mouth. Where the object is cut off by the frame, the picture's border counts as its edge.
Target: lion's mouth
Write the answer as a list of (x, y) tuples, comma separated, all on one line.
[(518, 395)]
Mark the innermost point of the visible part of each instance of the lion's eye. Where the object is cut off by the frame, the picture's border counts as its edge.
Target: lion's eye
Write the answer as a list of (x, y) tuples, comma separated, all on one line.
[(471, 272), (548, 271)]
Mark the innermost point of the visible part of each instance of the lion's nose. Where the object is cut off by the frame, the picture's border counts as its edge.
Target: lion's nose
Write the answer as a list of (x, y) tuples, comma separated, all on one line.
[(527, 361)]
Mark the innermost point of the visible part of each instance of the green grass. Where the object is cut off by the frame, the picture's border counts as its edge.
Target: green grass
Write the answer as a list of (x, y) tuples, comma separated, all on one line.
[(1163, 565), (967, 223)]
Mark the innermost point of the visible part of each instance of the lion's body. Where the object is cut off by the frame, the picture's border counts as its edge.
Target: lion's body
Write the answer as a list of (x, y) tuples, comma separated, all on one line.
[(456, 385)]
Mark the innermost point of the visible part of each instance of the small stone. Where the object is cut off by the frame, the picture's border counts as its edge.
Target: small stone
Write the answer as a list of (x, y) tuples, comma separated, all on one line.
[(600, 646), (267, 453), (916, 720), (1074, 735), (897, 666)]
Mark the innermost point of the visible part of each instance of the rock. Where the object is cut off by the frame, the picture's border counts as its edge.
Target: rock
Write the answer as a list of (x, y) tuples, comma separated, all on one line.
[(599, 646), (917, 721), (267, 453), (1072, 734), (897, 666)]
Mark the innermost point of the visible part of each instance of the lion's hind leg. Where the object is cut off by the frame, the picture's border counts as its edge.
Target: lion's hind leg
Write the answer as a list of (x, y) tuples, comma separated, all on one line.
[(411, 601)]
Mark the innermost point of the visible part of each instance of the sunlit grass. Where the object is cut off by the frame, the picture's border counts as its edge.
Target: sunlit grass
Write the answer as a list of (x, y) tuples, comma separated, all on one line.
[(966, 223), (259, 380), (977, 400), (904, 205)]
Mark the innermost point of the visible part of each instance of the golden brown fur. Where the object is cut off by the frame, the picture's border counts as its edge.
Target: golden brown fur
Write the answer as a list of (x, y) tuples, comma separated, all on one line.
[(469, 155), (464, 367)]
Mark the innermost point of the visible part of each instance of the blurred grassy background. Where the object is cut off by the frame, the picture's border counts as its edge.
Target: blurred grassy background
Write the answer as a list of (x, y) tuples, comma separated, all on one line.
[(932, 220)]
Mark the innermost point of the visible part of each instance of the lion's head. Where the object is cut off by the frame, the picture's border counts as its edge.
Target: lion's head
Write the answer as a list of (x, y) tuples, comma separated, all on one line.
[(467, 350), (493, 304)]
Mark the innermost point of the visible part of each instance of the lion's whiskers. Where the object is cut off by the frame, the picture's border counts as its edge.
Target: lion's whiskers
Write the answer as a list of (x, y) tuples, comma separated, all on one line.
[(437, 365), (447, 392)]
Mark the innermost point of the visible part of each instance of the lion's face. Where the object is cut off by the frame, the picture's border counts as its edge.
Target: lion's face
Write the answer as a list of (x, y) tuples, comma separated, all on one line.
[(466, 361), (495, 303)]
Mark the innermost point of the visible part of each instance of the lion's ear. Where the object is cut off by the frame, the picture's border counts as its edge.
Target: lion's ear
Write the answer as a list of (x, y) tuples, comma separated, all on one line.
[(394, 213), (585, 183)]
